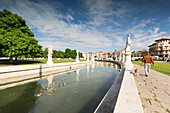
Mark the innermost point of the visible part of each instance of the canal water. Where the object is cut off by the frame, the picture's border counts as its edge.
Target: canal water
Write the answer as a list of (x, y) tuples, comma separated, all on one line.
[(79, 91)]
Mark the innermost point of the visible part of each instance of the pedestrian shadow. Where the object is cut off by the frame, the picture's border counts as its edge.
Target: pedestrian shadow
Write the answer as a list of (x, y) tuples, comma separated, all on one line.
[(138, 74)]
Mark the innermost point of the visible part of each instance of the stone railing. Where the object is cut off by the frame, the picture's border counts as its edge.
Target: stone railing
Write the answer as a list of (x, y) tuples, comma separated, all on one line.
[(13, 74)]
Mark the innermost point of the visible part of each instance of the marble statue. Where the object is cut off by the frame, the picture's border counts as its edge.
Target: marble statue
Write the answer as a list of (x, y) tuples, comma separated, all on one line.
[(50, 52), (128, 64), (128, 43)]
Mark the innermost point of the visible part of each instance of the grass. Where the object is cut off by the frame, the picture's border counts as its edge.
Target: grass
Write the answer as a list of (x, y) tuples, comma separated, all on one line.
[(167, 110), (36, 61), (148, 99), (162, 67), (144, 106)]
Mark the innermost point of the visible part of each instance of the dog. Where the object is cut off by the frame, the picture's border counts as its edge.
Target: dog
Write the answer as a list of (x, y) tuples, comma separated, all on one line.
[(137, 72)]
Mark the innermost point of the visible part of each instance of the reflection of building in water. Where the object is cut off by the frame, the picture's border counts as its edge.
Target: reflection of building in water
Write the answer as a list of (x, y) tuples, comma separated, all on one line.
[(115, 66), (111, 65), (87, 70), (107, 64), (97, 63), (100, 64), (77, 75), (92, 67)]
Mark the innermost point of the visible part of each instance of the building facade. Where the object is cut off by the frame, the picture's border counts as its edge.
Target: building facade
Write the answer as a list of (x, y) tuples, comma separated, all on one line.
[(161, 48)]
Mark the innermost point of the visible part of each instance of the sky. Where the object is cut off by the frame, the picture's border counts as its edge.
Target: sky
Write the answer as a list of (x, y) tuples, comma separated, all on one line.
[(94, 25)]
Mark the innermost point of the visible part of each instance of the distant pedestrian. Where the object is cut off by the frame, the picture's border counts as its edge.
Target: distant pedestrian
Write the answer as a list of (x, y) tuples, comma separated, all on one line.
[(147, 59)]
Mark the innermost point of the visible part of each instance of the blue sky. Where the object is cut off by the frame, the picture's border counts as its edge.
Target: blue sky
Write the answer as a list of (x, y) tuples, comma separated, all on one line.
[(94, 25)]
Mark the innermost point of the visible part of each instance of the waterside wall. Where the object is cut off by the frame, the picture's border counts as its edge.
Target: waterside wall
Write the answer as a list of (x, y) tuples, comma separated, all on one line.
[(15, 75), (123, 95)]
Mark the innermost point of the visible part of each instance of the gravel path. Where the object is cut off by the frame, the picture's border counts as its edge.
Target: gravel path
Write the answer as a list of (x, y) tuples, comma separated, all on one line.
[(154, 91)]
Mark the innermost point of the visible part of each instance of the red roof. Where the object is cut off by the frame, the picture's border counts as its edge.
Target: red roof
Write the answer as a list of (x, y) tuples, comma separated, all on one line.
[(118, 51), (100, 52), (137, 52)]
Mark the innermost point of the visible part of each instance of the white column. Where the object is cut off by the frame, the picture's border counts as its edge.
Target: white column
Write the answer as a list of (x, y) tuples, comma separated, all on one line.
[(77, 57), (120, 56), (123, 59), (106, 56), (112, 56), (88, 57), (116, 56), (92, 58)]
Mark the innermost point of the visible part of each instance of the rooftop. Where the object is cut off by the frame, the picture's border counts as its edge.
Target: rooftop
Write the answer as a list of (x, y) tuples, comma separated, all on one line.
[(162, 39), (152, 45)]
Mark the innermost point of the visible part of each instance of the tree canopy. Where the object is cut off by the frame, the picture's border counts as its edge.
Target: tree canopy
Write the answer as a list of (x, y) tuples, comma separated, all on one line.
[(60, 54), (17, 40)]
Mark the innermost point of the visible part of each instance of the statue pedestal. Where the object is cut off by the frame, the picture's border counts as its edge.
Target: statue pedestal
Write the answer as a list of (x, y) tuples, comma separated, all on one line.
[(128, 64), (77, 60), (49, 62)]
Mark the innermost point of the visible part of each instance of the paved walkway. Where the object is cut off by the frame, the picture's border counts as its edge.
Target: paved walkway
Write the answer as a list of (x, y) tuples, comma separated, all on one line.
[(154, 91)]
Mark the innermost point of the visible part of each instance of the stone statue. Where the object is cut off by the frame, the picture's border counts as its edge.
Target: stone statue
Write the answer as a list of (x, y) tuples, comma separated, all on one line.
[(50, 52), (128, 64), (128, 43)]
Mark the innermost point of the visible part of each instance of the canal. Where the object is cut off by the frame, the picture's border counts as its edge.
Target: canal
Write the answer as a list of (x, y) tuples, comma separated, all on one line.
[(79, 91)]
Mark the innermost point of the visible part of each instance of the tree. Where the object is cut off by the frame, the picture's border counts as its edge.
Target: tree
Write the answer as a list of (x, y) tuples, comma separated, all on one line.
[(45, 53), (16, 37), (55, 54), (67, 53), (60, 54), (73, 54), (81, 55)]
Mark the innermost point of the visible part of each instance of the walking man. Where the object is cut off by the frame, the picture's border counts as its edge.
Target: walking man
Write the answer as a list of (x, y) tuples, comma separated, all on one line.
[(147, 59)]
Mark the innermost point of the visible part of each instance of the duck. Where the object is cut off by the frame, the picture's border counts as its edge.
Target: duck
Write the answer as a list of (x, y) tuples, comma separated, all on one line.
[(64, 84), (47, 88), (62, 79), (38, 95), (60, 85), (52, 91)]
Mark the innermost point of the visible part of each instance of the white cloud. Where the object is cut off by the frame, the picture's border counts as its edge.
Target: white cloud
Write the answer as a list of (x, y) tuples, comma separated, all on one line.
[(107, 25), (156, 30), (53, 29), (105, 11), (69, 18)]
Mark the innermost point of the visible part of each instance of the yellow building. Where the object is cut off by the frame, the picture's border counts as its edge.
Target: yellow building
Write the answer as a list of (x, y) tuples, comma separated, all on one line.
[(161, 48)]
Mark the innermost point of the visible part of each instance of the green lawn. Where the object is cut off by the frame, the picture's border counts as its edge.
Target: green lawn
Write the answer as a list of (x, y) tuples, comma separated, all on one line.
[(28, 62), (162, 67)]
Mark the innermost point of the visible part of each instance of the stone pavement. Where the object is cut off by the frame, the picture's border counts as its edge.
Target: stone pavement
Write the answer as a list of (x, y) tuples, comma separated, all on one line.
[(154, 91)]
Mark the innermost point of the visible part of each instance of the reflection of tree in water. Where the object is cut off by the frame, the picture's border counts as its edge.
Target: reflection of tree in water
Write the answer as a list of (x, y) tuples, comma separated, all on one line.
[(19, 99)]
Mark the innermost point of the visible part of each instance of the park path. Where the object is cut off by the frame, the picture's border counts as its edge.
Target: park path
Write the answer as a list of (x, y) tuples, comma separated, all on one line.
[(154, 91)]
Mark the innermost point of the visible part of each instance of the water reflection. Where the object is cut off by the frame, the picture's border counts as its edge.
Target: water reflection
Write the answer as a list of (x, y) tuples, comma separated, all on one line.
[(92, 67), (88, 70), (50, 80), (81, 91), (50, 87), (77, 75), (19, 99)]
